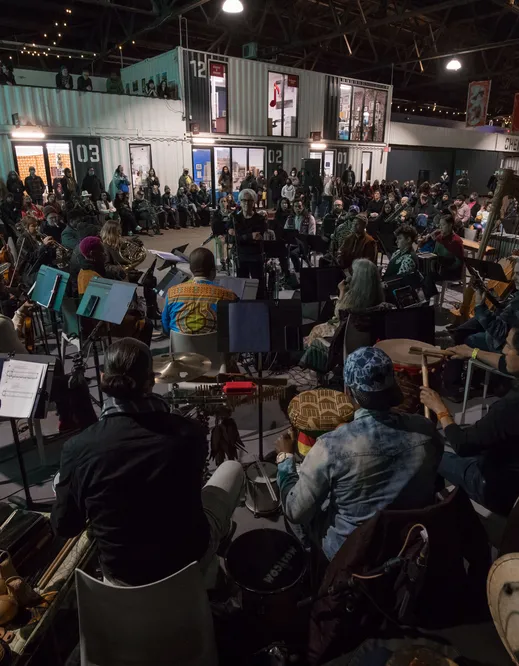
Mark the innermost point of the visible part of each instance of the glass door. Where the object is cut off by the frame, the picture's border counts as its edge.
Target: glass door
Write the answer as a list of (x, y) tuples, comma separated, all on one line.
[(32, 155), (202, 167), (140, 164), (366, 165), (59, 158), (239, 169)]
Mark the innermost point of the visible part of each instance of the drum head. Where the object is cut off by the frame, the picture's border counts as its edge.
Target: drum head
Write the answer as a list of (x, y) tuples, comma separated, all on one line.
[(503, 600), (266, 561), (398, 352), (255, 476)]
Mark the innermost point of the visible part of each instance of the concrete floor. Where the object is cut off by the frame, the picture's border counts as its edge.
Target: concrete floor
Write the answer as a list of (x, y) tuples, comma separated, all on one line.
[(480, 643)]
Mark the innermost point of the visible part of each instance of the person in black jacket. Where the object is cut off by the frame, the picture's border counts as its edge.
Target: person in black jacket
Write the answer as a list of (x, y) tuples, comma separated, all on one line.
[(93, 185), (276, 184), (203, 205), (16, 187), (247, 230), (424, 212), (35, 187), (141, 465), (485, 462), (10, 216), (375, 206), (64, 79), (170, 208), (84, 82)]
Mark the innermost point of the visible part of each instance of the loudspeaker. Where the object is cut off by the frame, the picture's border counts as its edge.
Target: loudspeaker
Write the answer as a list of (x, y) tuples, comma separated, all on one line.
[(310, 172), (423, 175)]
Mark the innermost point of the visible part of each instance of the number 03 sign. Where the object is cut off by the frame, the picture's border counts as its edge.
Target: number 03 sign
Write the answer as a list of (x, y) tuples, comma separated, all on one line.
[(87, 155)]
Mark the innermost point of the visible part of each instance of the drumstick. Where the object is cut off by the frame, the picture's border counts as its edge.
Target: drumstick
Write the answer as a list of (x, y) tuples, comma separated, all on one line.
[(267, 480), (425, 380), (430, 352), (58, 561)]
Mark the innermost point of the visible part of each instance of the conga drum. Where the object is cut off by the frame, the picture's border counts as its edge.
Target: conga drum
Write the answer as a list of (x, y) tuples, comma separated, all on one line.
[(503, 601), (408, 370), (268, 566), (316, 412)]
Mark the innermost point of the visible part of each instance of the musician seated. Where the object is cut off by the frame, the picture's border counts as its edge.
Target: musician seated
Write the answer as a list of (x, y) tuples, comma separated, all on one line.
[(333, 219), (488, 329), (115, 264), (381, 459), (10, 339), (485, 462), (51, 224), (79, 226), (93, 264), (34, 250), (136, 478), (358, 244), (403, 265), (190, 308), (448, 247), (342, 230)]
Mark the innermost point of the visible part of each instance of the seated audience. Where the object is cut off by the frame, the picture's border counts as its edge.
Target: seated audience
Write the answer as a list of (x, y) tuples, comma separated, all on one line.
[(462, 214), (203, 205), (170, 208), (485, 462), (137, 427), (128, 222), (145, 215), (190, 307), (283, 212), (333, 219), (342, 229), (84, 82), (448, 248), (51, 224), (92, 184), (52, 201), (302, 221), (379, 460), (105, 207), (357, 245), (64, 79), (424, 212), (375, 206)]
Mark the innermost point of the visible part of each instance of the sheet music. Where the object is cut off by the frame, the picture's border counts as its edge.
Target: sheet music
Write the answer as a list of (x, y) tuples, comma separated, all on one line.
[(167, 256), (19, 387)]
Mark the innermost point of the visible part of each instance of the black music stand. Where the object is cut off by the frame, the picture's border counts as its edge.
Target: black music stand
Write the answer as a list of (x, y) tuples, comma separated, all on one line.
[(40, 410), (318, 284), (488, 269), (257, 327), (173, 277)]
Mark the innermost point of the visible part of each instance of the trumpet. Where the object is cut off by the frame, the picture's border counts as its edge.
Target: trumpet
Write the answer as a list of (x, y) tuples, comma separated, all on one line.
[(63, 254)]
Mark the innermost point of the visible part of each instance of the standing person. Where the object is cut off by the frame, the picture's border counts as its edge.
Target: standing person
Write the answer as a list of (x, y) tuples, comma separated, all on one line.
[(262, 190), (380, 459), (203, 199), (463, 183), (185, 180), (35, 187), (348, 177), (114, 85), (296, 182), (220, 222), (10, 214), (92, 184), (225, 181), (289, 191), (485, 462), (119, 182), (16, 187), (150, 182), (136, 426), (247, 230), (276, 183), (170, 208), (84, 82), (69, 185), (445, 180), (249, 183), (64, 80)]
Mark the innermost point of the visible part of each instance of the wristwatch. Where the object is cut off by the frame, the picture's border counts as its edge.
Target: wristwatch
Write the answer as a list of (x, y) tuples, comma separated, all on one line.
[(283, 456)]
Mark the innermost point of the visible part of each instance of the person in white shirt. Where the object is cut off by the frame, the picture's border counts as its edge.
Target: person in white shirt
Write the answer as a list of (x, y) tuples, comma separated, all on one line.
[(289, 191)]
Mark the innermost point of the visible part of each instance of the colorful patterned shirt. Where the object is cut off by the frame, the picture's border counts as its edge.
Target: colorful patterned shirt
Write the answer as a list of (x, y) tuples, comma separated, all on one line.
[(378, 460), (190, 308)]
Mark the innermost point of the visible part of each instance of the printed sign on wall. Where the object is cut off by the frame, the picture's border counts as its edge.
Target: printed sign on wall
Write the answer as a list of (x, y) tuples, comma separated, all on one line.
[(477, 103), (87, 154)]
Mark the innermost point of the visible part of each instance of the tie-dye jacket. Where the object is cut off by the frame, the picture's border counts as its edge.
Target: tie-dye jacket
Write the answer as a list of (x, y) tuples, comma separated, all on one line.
[(379, 460)]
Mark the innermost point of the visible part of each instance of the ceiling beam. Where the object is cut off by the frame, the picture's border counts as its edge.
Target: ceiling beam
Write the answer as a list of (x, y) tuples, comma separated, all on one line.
[(120, 7)]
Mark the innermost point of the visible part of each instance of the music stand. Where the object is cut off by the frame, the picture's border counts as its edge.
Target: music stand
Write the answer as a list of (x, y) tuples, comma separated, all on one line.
[(257, 327), (318, 284), (317, 244), (48, 292), (488, 269), (40, 410), (172, 278)]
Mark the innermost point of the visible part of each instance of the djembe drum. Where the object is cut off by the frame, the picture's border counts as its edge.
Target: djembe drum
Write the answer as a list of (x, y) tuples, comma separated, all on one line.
[(408, 370), (316, 412)]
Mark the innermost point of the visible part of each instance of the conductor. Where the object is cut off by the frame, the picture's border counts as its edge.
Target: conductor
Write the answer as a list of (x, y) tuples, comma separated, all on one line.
[(248, 227)]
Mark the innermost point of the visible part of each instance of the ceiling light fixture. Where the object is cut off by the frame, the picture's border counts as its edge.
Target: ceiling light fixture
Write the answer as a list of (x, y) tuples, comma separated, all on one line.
[(318, 146), (232, 6), (203, 140), (28, 134), (453, 65)]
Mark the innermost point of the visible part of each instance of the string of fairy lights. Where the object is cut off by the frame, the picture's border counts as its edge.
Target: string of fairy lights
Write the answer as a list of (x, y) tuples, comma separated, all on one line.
[(53, 48)]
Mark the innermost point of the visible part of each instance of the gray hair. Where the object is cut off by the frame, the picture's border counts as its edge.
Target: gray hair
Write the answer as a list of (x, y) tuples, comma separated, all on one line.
[(365, 287), (247, 191)]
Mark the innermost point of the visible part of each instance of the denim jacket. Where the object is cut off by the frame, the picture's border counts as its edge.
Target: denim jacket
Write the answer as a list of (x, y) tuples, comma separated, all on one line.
[(379, 460)]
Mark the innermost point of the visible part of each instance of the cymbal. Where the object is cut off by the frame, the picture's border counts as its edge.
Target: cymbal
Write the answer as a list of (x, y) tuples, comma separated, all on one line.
[(182, 367)]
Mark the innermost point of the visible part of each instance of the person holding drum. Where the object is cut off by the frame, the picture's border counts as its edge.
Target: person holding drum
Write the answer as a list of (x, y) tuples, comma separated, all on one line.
[(379, 459), (485, 462)]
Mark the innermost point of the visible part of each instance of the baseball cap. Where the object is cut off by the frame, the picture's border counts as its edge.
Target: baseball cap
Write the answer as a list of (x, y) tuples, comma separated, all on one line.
[(368, 372)]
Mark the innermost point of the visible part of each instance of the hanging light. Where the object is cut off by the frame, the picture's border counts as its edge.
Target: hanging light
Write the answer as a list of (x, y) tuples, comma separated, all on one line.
[(232, 6), (453, 65)]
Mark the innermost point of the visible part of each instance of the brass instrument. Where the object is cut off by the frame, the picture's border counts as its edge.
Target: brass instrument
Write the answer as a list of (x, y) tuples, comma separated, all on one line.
[(63, 254), (132, 252)]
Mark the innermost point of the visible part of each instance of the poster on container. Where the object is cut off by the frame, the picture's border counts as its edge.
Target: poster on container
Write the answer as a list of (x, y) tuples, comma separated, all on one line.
[(515, 114), (477, 103)]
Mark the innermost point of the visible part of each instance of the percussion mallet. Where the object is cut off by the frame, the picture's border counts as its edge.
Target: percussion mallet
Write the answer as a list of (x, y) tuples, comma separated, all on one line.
[(265, 476), (425, 381)]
